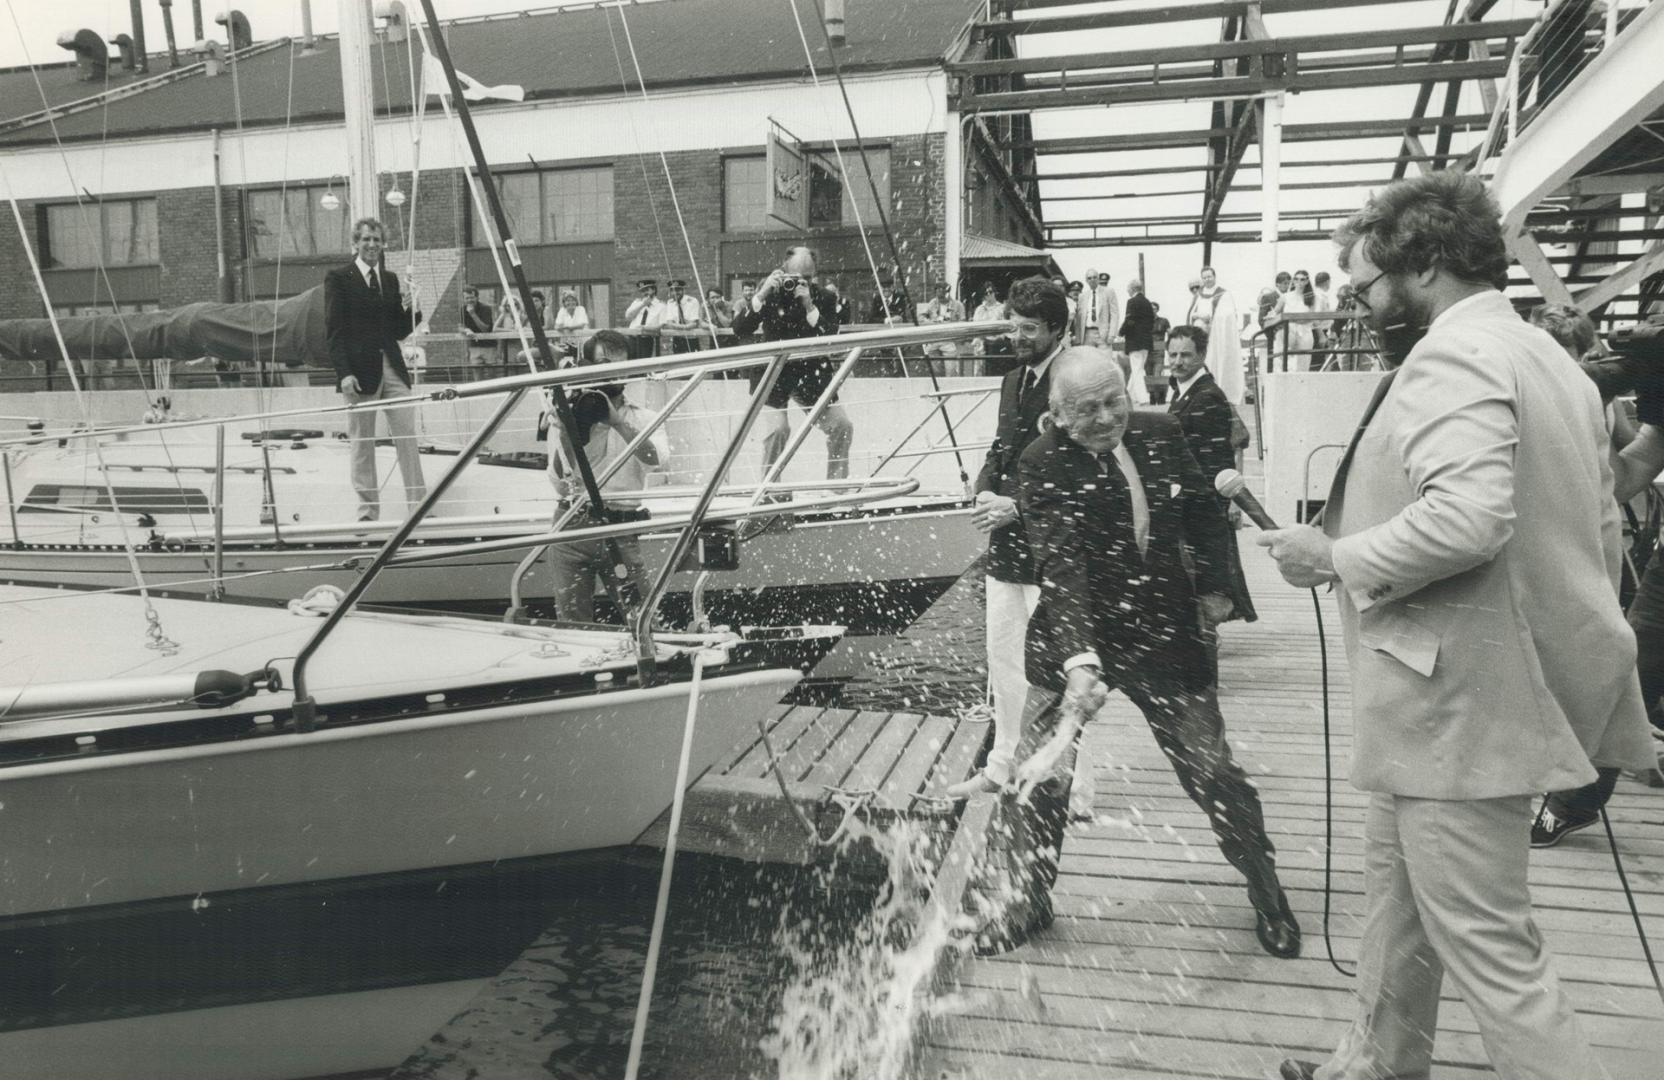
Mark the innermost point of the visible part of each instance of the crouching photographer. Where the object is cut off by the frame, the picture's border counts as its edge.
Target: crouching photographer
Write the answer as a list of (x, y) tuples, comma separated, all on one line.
[(607, 423), (1635, 366)]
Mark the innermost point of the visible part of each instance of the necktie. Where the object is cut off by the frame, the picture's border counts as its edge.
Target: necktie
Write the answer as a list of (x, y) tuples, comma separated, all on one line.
[(645, 308), (1030, 380), (375, 281)]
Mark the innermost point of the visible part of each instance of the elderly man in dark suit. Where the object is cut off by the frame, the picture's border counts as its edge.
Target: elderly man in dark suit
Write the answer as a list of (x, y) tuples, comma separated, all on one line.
[(1206, 416), (367, 312), (1040, 313), (1110, 499)]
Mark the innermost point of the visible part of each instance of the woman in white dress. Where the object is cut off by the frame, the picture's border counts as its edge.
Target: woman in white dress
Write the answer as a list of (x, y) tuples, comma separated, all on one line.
[(1301, 299)]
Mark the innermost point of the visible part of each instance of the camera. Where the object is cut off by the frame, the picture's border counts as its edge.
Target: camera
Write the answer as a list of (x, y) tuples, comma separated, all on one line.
[(590, 408), (1636, 363), (789, 284)]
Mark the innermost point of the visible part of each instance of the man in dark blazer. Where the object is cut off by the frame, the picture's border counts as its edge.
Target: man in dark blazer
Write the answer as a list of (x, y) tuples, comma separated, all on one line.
[(1110, 500), (1040, 312), (367, 312), (1205, 414), (1137, 329)]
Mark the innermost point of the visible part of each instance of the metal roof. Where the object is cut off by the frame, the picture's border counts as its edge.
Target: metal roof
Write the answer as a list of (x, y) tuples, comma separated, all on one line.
[(553, 54), (981, 250)]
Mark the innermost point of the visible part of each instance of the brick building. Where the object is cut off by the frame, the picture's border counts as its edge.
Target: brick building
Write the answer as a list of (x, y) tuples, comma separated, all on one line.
[(213, 184)]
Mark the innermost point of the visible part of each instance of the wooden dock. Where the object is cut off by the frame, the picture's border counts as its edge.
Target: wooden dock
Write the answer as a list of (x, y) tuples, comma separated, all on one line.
[(1152, 968)]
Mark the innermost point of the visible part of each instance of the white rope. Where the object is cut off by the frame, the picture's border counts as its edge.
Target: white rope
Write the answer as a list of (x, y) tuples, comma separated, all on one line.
[(669, 180), (80, 396), (655, 940), (481, 210), (861, 226)]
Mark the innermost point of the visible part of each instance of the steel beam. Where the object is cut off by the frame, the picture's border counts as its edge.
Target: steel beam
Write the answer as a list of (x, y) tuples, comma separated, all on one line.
[(1106, 20), (1247, 47), (1186, 140)]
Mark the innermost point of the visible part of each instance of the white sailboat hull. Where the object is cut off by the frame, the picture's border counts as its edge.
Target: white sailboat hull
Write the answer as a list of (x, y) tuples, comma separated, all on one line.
[(429, 791)]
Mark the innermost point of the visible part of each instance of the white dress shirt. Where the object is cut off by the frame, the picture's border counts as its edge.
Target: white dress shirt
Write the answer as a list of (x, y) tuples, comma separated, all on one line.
[(1140, 530)]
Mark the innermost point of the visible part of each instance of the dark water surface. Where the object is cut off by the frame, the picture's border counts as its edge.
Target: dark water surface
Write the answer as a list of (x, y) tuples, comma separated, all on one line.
[(736, 933)]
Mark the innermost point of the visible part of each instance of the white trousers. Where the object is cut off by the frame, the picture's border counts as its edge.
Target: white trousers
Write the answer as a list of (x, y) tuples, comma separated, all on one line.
[(1008, 606), (401, 426), (1445, 887)]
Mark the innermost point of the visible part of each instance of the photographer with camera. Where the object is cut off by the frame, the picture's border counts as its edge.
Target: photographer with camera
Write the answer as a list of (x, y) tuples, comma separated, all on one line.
[(607, 422), (1637, 366), (787, 305)]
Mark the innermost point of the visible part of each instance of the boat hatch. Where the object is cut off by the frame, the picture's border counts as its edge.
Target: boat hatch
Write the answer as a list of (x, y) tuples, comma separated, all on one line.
[(131, 498)]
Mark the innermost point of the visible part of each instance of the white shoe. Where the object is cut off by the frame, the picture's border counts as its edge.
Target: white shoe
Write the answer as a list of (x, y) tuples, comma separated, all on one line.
[(977, 783)]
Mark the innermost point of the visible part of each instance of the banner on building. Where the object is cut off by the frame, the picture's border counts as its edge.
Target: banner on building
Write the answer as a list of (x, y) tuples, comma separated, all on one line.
[(786, 186)]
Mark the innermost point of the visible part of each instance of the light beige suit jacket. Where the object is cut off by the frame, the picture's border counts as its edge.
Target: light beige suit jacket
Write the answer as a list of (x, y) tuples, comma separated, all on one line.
[(1477, 550)]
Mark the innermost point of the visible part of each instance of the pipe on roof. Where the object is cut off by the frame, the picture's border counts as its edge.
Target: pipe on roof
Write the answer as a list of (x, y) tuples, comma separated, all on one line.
[(167, 24), (196, 20), (141, 58), (835, 21), (124, 45)]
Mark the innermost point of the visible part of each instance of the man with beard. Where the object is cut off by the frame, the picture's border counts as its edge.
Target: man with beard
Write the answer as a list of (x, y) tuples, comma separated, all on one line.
[(1040, 315), (1113, 504), (1471, 536)]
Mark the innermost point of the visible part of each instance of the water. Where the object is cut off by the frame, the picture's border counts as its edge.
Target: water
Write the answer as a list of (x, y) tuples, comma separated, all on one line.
[(766, 972)]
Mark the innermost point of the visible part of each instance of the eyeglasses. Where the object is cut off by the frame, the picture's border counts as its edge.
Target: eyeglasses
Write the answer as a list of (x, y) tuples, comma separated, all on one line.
[(1360, 293)]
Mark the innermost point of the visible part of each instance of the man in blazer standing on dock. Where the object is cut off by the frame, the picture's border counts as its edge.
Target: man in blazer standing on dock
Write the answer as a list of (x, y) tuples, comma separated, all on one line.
[(1111, 500), (1472, 539), (367, 312), (1040, 312)]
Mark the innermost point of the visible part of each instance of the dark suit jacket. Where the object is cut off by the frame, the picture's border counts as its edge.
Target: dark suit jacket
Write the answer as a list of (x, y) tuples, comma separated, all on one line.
[(1019, 423), (1205, 414), (783, 318), (1138, 328), (1097, 593), (362, 327)]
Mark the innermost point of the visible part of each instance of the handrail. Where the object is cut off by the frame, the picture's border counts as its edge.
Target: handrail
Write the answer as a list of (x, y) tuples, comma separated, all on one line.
[(751, 354), (305, 708), (646, 656), (891, 488)]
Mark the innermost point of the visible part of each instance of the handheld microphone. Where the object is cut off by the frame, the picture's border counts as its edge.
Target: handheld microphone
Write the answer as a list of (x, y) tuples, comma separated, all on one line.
[(1230, 484)]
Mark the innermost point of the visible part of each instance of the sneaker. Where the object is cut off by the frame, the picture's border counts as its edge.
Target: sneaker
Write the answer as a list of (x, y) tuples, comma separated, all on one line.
[(1550, 827)]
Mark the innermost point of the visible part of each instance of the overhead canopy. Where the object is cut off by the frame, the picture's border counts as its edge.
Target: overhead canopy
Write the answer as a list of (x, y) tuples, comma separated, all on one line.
[(984, 252), (1143, 122), (261, 331)]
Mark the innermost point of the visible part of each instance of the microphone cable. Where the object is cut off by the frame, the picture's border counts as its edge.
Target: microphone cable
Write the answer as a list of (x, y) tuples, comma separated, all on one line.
[(1635, 913), (1328, 792)]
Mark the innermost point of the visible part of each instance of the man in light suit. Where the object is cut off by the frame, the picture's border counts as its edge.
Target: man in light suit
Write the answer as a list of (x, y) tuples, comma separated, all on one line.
[(366, 314), (1473, 541), (1108, 311)]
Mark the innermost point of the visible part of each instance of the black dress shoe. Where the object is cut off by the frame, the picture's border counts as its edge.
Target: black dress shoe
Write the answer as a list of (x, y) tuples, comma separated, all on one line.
[(1298, 1070), (1553, 826), (1279, 934)]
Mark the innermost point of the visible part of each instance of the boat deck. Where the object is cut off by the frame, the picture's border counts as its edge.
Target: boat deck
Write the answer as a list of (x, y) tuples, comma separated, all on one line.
[(830, 758), (1152, 968)]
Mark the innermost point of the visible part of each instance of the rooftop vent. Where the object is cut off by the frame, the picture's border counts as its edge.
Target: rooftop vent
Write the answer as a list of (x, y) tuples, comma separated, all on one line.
[(92, 56), (397, 17), (129, 59), (211, 54)]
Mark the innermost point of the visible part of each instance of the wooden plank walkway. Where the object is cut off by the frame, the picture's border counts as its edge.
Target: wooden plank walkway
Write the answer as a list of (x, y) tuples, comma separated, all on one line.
[(1152, 968), (737, 809)]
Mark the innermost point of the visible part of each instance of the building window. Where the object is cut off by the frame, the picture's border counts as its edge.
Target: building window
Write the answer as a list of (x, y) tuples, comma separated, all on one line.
[(834, 199), (113, 232), (553, 206), (288, 222), (744, 194)]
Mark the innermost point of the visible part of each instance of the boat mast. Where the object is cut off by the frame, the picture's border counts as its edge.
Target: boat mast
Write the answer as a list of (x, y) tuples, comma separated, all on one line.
[(357, 96)]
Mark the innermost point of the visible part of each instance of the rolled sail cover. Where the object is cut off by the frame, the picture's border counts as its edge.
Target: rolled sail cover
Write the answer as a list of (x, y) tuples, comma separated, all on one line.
[(286, 332)]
